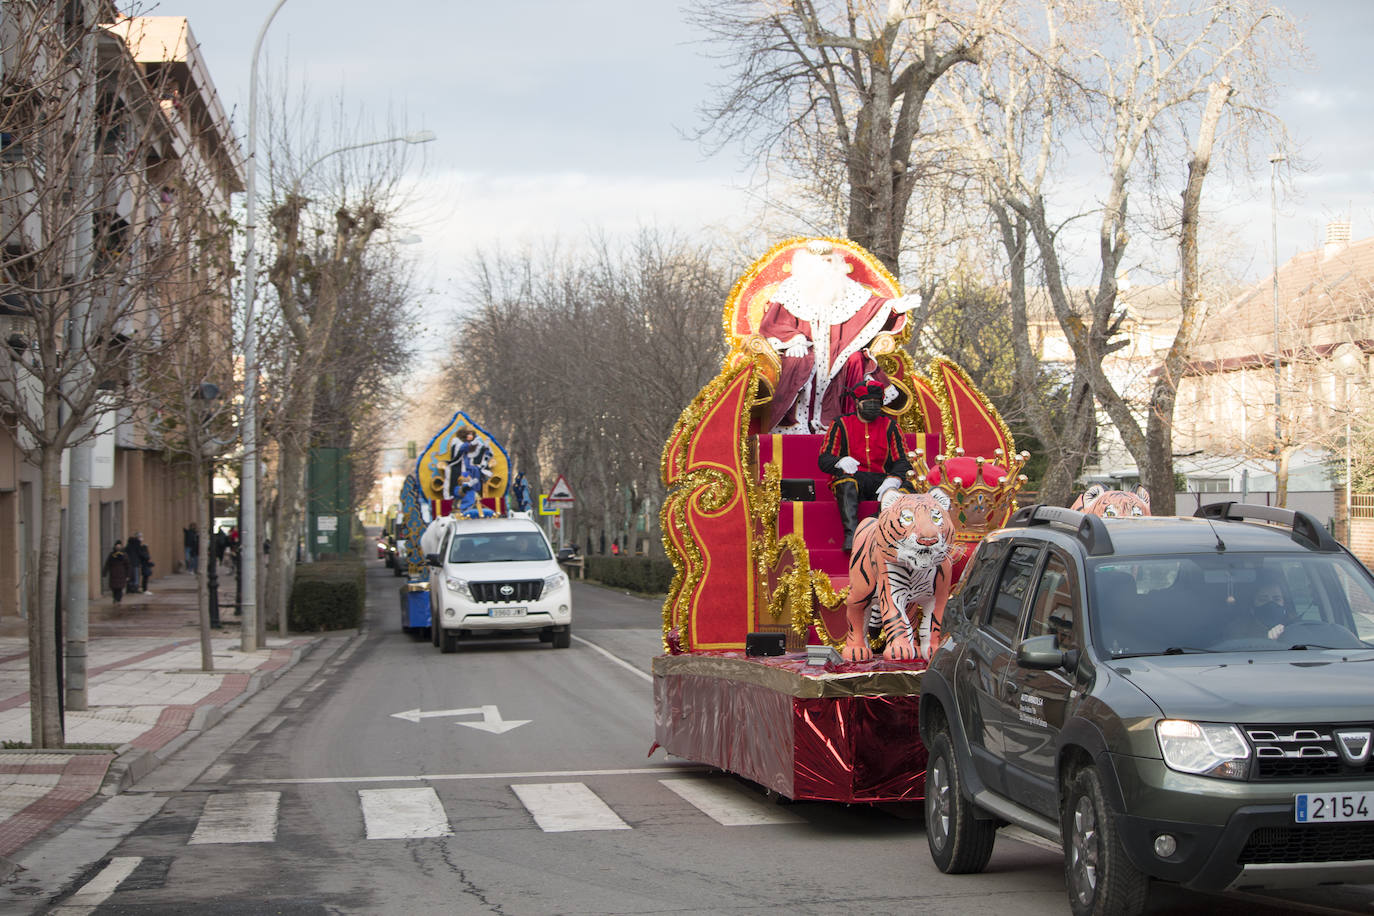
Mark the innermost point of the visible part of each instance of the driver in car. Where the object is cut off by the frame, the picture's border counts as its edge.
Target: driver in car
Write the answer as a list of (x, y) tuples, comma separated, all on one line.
[(1268, 615)]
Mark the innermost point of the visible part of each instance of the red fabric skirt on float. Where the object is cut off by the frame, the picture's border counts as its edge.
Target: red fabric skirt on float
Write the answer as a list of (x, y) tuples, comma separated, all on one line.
[(841, 732)]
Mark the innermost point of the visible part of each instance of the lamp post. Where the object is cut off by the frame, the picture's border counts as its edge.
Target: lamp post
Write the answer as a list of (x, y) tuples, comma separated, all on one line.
[(248, 492), (248, 479), (1274, 161), (1349, 361)]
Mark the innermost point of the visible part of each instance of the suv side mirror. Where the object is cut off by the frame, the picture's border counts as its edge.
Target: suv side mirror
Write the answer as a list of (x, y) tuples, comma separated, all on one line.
[(1042, 653), (433, 559)]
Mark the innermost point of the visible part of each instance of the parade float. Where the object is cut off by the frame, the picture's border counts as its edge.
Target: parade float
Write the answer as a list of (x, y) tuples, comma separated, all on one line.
[(463, 471), (758, 625)]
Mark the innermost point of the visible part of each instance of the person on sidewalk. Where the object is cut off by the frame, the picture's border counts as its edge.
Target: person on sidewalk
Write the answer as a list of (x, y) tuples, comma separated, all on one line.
[(116, 566), (134, 548), (144, 561), (190, 543)]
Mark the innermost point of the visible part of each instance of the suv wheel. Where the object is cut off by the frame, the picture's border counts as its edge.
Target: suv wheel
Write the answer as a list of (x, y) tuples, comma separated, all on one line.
[(1101, 880), (448, 641), (959, 843), (562, 638)]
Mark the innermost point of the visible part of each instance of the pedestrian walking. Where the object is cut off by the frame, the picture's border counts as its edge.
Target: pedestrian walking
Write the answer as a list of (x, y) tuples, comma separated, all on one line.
[(221, 545), (134, 550), (144, 561), (190, 543), (116, 567)]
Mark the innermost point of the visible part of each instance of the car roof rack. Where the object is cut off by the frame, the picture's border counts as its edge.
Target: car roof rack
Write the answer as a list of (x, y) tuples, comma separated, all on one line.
[(1304, 527), (1089, 529)]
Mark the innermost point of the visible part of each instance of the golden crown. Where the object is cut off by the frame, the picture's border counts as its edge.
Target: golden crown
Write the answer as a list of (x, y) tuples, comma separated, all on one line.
[(982, 491)]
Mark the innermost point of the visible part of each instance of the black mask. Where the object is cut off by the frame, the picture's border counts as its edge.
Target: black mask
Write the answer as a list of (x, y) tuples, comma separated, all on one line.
[(869, 408)]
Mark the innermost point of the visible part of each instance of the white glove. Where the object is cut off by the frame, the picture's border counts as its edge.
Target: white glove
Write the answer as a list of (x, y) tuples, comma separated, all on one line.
[(904, 303), (889, 394), (848, 464), (889, 483), (796, 347), (1275, 631)]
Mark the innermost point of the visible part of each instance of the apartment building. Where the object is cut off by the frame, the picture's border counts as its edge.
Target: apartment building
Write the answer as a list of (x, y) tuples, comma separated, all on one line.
[(117, 162)]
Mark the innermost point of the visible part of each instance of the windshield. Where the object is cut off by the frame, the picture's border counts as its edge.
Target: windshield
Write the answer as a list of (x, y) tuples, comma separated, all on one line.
[(504, 547), (1230, 602)]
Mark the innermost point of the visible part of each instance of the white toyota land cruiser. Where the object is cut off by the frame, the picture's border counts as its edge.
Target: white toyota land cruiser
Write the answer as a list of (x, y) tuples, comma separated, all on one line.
[(497, 576)]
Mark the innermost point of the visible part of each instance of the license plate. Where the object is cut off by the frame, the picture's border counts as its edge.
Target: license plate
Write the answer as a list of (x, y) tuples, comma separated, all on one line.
[(1310, 807), (507, 612)]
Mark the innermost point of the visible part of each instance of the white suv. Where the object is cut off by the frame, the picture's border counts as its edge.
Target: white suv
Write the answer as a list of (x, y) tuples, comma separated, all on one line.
[(497, 576)]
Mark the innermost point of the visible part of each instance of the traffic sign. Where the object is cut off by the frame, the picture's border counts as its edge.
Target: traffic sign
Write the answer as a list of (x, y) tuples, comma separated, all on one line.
[(560, 494)]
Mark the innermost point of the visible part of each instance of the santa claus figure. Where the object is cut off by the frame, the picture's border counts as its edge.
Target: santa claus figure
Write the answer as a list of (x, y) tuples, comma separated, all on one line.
[(820, 322)]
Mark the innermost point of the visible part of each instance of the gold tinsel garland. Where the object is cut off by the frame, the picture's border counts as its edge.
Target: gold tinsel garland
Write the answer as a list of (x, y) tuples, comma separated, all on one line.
[(712, 487)]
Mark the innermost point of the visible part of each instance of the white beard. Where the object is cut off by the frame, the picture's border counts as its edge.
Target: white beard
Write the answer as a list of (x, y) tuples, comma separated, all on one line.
[(818, 291)]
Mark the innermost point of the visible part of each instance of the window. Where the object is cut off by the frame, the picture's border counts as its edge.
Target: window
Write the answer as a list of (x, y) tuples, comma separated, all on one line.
[(508, 547), (1011, 591), (973, 596), (1053, 612)]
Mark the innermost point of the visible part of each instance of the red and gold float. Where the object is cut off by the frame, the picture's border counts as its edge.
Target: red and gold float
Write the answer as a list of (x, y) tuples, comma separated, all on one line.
[(757, 542)]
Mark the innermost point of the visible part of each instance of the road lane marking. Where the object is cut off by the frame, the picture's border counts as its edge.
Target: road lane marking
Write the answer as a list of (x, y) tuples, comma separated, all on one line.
[(727, 804), (269, 725), (97, 890), (560, 807), (441, 777), (238, 817), (619, 661), (403, 814)]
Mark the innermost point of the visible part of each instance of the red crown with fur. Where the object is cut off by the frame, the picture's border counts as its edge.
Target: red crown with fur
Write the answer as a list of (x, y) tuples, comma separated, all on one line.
[(982, 492)]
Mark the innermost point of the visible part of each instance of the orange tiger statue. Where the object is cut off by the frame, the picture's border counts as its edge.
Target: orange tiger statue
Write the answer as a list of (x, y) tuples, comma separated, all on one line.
[(1098, 500), (899, 576)]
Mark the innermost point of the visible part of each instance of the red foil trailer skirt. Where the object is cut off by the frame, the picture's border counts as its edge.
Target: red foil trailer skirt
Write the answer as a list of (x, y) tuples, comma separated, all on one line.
[(843, 733)]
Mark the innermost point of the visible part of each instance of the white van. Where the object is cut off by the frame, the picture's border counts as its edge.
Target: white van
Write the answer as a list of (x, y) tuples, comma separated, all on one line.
[(497, 576)]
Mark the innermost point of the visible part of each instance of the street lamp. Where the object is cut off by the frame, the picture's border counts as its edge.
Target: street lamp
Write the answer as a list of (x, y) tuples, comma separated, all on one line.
[(1349, 361), (248, 491), (1274, 161), (248, 479)]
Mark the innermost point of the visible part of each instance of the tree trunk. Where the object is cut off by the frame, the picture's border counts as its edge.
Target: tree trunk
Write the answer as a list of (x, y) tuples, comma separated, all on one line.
[(45, 720), (207, 556), (281, 573)]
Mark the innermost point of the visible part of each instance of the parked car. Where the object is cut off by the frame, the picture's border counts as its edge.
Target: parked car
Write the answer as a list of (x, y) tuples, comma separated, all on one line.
[(498, 576), (566, 554), (1120, 687)]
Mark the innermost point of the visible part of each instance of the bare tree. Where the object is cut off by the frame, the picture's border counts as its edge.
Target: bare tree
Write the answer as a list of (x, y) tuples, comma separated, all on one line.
[(625, 335), (1116, 84), (93, 144), (833, 95)]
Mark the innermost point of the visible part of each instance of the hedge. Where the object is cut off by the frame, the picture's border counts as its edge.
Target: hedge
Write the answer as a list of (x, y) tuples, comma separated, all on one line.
[(329, 595), (651, 575)]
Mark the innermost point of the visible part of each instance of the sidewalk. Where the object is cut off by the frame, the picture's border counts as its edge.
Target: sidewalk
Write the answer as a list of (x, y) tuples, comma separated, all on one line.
[(146, 694)]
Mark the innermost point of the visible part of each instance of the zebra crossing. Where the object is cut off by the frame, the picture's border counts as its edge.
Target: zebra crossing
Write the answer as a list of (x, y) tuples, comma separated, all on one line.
[(233, 817)]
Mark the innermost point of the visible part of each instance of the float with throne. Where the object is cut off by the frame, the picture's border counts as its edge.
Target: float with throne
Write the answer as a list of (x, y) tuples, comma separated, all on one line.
[(751, 680), (464, 472)]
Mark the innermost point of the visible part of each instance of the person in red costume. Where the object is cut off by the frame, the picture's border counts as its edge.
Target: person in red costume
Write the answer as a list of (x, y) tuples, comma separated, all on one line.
[(820, 322), (864, 457)]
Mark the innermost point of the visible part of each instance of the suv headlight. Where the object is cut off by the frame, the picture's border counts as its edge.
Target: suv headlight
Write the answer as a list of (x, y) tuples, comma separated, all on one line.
[(554, 581), (457, 585), (1202, 748)]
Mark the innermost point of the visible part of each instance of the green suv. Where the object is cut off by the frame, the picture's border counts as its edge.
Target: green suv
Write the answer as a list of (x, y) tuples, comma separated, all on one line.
[(1178, 699)]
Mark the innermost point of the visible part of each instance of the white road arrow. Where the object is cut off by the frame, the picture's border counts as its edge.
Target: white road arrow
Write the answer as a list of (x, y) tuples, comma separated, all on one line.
[(491, 718)]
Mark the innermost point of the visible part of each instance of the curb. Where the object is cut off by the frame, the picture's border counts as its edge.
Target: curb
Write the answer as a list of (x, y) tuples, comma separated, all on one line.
[(132, 764)]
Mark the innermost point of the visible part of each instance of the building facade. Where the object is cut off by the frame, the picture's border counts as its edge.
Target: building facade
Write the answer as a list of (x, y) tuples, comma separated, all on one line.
[(136, 248)]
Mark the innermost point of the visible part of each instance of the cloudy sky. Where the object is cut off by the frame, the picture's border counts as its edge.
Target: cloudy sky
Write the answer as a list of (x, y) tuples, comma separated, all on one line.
[(554, 118)]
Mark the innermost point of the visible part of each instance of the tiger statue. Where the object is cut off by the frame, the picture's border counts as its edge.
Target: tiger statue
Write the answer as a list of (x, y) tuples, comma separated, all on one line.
[(1098, 500), (899, 576)]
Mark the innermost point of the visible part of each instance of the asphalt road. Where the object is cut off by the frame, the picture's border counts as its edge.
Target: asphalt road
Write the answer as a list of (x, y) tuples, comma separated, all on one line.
[(516, 782)]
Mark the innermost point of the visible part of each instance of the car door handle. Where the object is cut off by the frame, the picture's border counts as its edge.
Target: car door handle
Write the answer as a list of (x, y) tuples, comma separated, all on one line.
[(970, 664), (1011, 686)]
